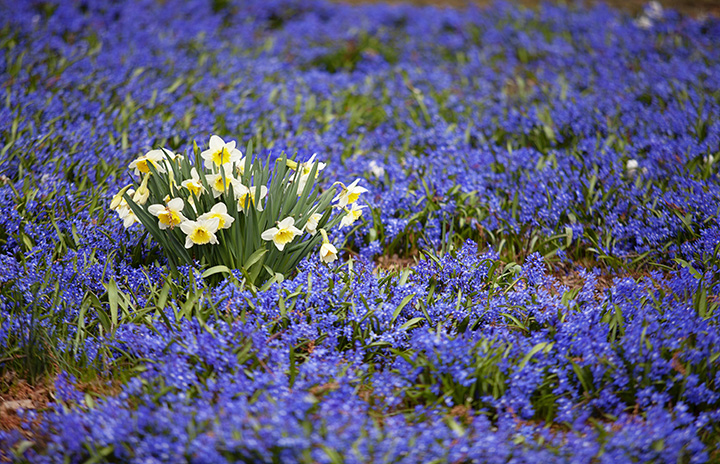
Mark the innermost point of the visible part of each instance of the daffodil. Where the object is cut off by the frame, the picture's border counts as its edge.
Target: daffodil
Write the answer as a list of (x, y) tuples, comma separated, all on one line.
[(121, 207), (218, 184), (169, 162), (307, 165), (200, 232), (220, 153), (219, 211), (302, 182), (141, 195), (118, 199), (129, 218), (632, 166), (305, 169), (169, 215), (246, 196), (352, 215), (328, 252), (376, 169), (284, 233), (194, 185), (191, 202), (312, 223), (240, 167), (154, 157), (349, 194)]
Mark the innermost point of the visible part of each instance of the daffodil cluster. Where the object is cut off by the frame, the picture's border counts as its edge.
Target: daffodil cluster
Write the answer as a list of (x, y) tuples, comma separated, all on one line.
[(226, 208)]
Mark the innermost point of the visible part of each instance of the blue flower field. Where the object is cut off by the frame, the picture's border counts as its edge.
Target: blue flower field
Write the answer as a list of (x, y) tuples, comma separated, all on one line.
[(512, 254)]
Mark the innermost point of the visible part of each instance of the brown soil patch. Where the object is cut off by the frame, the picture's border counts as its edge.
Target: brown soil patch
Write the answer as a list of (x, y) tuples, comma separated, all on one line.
[(395, 263), (16, 394)]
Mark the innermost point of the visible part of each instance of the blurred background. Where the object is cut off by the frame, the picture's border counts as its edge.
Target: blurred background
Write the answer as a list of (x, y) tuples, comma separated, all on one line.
[(692, 7)]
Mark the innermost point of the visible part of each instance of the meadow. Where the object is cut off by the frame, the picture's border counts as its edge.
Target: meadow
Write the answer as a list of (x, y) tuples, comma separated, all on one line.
[(531, 274)]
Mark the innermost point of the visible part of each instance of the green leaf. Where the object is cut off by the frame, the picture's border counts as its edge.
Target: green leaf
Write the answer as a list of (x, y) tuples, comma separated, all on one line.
[(333, 455), (216, 270), (254, 264), (162, 298), (695, 273), (455, 426), (104, 320), (400, 307), (112, 292), (535, 349), (585, 377), (411, 322)]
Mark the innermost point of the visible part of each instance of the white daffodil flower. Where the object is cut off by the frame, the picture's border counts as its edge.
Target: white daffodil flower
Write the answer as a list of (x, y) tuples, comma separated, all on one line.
[(328, 253), (141, 195), (129, 218), (349, 194), (307, 165), (633, 167), (118, 199), (351, 216), (240, 167), (246, 196), (169, 159), (312, 223), (284, 233), (200, 232), (154, 157), (302, 182), (220, 153), (216, 181), (219, 211), (191, 202), (194, 184), (643, 22), (123, 210), (376, 169), (169, 215), (305, 169), (654, 10)]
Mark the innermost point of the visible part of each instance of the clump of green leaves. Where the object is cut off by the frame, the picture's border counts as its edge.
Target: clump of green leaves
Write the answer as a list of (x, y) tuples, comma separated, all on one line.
[(227, 210)]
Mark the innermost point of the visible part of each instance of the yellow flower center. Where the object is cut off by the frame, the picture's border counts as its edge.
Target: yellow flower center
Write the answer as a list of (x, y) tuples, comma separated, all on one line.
[(194, 187), (284, 236), (220, 218), (143, 166), (352, 198), (247, 197), (221, 156), (169, 218), (200, 236), (219, 184)]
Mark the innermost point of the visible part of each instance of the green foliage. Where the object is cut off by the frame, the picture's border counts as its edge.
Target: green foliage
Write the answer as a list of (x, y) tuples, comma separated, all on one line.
[(237, 198)]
